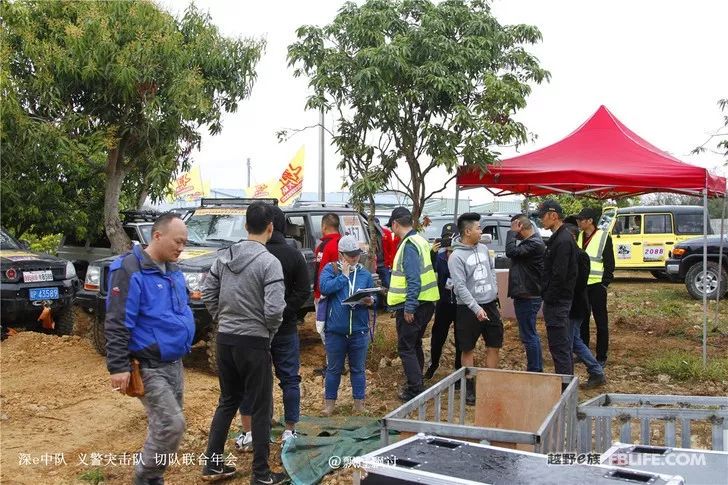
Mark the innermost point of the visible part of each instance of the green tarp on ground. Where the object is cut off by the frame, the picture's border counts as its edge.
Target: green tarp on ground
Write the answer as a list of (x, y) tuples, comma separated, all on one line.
[(309, 457)]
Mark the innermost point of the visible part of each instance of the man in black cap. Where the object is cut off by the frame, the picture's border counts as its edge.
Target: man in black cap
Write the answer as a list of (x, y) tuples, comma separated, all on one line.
[(412, 293), (598, 245), (560, 272), (446, 307)]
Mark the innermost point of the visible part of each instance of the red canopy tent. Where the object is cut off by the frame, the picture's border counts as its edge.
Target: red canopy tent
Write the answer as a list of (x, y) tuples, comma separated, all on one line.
[(602, 158)]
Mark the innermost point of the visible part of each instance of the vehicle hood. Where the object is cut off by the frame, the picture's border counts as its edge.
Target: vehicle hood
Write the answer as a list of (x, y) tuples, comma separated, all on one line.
[(22, 258), (698, 241)]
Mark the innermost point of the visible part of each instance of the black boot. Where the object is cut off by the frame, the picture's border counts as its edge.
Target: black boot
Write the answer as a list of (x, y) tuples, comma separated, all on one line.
[(470, 392), (430, 371)]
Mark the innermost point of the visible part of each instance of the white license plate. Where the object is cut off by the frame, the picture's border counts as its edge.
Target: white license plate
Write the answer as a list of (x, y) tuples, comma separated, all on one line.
[(36, 276)]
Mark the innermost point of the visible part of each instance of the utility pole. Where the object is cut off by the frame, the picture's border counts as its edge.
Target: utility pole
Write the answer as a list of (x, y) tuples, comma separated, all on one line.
[(322, 175), (248, 171)]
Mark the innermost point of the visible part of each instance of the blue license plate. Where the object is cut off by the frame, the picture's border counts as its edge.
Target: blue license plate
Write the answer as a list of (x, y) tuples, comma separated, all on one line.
[(44, 293)]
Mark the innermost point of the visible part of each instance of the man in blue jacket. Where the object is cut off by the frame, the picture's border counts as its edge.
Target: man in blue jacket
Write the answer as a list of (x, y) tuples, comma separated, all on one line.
[(147, 318)]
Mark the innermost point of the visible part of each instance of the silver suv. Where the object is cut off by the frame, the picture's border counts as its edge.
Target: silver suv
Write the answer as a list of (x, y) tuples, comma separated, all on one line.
[(137, 225)]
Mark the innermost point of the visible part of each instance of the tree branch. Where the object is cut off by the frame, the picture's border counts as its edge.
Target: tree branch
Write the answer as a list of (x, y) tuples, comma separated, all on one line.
[(440, 190)]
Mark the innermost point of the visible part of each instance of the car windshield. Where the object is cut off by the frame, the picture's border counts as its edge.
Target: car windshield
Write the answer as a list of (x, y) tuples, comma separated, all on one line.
[(7, 241), (146, 230), (217, 227)]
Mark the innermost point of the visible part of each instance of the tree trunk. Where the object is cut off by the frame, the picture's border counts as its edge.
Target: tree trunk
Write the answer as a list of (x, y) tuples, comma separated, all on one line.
[(142, 197), (120, 242), (373, 240), (417, 193)]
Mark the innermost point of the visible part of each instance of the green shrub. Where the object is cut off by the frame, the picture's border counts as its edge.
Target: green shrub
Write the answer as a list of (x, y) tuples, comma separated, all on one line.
[(44, 244), (94, 476)]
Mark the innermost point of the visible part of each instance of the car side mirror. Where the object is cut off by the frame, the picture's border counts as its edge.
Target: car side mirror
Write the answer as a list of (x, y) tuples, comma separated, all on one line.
[(486, 238)]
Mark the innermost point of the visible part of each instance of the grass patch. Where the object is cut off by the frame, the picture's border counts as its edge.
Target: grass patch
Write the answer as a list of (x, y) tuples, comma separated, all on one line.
[(385, 338), (94, 476), (684, 366)]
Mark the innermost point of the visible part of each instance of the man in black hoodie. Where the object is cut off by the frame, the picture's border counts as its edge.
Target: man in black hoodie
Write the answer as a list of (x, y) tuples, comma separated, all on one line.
[(560, 272), (285, 348)]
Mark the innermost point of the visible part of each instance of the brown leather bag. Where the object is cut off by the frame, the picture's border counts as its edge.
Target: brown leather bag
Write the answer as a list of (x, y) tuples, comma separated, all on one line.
[(136, 385)]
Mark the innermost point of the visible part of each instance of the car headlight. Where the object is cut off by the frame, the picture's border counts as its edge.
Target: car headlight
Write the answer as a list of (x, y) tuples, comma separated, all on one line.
[(194, 281), (70, 270), (93, 278)]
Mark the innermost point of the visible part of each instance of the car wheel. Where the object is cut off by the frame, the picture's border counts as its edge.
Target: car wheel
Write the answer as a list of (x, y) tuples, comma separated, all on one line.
[(696, 282), (64, 321), (212, 347), (98, 337)]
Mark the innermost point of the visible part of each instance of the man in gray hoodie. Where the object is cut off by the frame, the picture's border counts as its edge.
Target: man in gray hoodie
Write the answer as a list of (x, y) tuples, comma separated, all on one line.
[(244, 292), (476, 291)]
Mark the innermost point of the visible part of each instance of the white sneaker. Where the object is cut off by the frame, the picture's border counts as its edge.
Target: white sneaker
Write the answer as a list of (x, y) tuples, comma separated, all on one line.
[(288, 434), (244, 442)]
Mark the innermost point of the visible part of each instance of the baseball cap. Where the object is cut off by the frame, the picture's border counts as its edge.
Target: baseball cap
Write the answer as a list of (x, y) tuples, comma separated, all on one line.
[(550, 205), (349, 246), (398, 213), (448, 230), (589, 213)]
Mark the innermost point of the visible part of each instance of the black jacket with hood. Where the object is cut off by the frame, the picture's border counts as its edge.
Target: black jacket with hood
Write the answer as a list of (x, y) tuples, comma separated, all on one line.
[(296, 277), (560, 267)]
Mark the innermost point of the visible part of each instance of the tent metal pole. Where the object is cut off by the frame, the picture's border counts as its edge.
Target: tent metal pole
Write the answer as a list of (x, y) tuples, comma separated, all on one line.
[(705, 277), (720, 263), (457, 200)]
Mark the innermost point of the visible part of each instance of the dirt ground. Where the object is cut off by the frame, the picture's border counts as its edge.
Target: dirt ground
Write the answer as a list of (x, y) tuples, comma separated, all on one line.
[(60, 422)]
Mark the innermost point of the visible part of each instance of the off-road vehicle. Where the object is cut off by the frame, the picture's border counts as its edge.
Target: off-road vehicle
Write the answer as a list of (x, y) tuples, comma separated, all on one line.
[(215, 225), (32, 282)]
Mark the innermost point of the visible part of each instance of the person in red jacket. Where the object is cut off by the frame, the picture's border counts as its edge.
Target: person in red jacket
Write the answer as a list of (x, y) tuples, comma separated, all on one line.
[(326, 252), (389, 245), (328, 249)]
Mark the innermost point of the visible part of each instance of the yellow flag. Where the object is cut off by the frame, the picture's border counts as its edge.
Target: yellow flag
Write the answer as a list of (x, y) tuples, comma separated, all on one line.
[(189, 186), (288, 188)]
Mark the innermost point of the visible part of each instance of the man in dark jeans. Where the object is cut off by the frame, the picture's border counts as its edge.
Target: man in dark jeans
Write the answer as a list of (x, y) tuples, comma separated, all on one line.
[(598, 245), (245, 293), (412, 293), (285, 346), (560, 272), (446, 307), (525, 248)]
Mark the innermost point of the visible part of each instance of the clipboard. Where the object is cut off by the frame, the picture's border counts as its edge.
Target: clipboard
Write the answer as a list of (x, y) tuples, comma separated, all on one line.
[(360, 294)]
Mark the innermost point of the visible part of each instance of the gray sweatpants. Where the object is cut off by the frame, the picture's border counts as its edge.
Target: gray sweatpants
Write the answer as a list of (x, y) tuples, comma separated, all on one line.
[(163, 389)]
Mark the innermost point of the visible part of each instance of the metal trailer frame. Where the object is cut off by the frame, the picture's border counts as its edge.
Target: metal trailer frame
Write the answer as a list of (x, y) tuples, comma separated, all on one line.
[(621, 407), (368, 464), (558, 432)]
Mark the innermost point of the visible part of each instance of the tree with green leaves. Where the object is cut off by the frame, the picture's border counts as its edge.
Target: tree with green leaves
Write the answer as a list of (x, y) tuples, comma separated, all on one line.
[(418, 86), (124, 89)]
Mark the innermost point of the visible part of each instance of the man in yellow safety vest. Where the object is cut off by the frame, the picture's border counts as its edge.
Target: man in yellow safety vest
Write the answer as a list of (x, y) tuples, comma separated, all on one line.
[(598, 245), (412, 293)]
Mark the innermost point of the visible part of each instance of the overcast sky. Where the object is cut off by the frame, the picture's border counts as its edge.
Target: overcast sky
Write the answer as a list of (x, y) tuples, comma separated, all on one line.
[(658, 65)]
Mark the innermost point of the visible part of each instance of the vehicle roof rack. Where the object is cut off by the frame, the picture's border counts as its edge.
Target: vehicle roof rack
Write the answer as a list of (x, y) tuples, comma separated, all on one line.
[(235, 201), (140, 216), (318, 203)]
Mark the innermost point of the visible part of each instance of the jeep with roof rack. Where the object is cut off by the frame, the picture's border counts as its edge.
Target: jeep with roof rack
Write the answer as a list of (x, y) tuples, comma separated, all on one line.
[(216, 224), (137, 224)]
